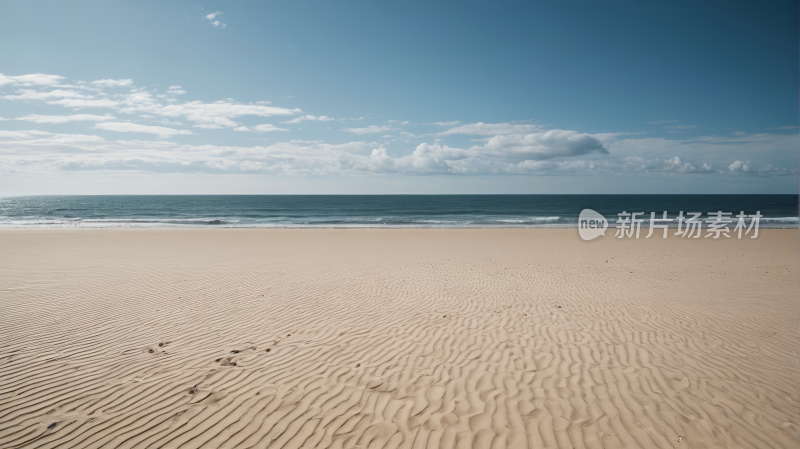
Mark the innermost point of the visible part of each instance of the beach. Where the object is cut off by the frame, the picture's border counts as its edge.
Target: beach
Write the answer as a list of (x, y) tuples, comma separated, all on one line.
[(397, 338)]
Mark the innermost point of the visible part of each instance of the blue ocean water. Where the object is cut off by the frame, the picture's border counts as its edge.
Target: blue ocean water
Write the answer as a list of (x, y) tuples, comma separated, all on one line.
[(435, 211)]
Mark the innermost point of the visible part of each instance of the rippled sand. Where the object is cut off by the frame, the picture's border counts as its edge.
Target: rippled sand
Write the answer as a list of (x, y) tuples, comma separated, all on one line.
[(396, 338)]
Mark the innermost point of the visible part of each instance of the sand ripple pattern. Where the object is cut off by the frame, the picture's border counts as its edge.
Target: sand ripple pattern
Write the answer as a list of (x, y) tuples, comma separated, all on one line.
[(395, 339)]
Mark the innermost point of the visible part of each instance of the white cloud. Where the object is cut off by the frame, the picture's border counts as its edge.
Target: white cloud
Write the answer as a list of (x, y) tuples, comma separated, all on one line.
[(27, 94), (265, 128), (675, 164), (67, 98), (490, 129), (739, 167), (36, 118), (207, 115), (137, 128), (176, 90), (747, 169), (373, 129), (4, 119), (78, 103), (32, 79), (113, 83), (303, 118), (453, 123), (213, 16)]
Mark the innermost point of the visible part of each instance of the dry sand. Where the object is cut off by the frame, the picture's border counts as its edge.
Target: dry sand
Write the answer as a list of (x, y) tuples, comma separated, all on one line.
[(396, 338)]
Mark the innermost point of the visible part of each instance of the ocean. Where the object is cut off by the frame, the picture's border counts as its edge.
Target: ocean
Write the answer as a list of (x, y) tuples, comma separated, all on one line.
[(375, 211)]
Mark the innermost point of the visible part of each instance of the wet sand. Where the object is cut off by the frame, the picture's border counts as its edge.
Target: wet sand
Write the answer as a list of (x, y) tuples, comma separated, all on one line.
[(396, 338)]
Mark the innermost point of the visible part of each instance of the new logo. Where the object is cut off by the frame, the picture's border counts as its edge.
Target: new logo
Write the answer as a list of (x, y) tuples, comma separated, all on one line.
[(591, 224)]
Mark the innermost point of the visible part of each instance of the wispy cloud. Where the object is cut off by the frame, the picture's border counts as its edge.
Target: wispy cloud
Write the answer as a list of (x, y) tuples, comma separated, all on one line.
[(490, 129), (265, 128), (678, 128), (304, 118), (36, 118), (373, 129), (113, 83), (176, 90), (661, 122), (32, 79), (125, 127)]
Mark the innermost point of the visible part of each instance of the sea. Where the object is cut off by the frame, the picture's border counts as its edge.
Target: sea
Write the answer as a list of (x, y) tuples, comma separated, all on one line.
[(372, 211)]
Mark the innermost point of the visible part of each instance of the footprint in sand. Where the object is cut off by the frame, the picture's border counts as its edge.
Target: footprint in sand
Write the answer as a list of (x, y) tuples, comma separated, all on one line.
[(227, 361)]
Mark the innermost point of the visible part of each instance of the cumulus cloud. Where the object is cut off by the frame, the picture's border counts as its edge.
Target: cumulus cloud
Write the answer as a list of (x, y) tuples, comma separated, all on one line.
[(747, 169), (113, 83), (125, 127), (32, 79), (490, 129), (304, 118), (36, 118), (373, 129)]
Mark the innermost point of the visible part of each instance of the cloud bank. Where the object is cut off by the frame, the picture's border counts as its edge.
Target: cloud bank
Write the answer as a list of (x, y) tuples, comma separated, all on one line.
[(152, 115)]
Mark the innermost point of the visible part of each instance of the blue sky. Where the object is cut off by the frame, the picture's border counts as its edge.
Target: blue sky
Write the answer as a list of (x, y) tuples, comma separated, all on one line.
[(401, 97)]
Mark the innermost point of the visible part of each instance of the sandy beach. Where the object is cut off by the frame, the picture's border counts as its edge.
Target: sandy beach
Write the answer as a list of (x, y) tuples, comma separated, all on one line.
[(425, 338)]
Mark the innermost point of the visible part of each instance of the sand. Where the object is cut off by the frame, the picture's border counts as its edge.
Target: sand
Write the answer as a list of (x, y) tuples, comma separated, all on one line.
[(396, 338)]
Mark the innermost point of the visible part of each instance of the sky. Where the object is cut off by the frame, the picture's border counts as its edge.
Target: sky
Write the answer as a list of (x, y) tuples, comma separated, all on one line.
[(351, 97)]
